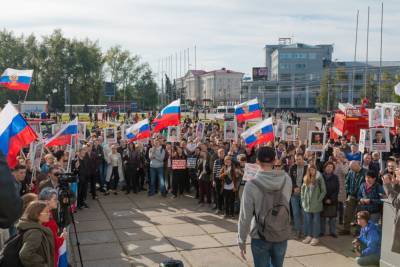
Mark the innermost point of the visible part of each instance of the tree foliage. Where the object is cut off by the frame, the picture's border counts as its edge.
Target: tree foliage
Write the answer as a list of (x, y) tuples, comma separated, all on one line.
[(54, 58)]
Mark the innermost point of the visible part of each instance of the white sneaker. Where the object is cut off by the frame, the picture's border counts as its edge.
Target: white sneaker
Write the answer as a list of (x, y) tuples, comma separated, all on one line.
[(307, 240), (314, 242)]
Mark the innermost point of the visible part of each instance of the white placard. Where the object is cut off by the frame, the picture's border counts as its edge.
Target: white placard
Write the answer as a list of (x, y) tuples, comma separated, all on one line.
[(250, 171), (110, 135), (316, 141), (200, 130), (365, 141), (230, 130), (173, 134), (289, 132), (380, 140), (387, 117), (375, 117)]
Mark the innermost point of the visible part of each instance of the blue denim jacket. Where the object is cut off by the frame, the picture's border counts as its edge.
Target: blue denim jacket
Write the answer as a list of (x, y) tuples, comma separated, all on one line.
[(370, 238), (374, 196)]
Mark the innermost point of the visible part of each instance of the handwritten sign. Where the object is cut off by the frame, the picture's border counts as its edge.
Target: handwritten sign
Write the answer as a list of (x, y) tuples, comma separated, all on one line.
[(178, 164), (250, 171)]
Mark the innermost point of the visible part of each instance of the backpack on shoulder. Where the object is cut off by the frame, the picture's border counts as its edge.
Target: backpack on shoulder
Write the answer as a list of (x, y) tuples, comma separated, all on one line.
[(9, 255), (273, 220)]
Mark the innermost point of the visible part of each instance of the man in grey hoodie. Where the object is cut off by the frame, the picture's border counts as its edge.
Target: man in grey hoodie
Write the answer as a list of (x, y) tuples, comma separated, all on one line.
[(264, 252)]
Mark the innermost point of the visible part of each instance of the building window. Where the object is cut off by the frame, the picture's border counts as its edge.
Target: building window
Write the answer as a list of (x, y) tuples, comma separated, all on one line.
[(300, 66), (285, 77), (358, 76), (286, 101), (312, 55), (285, 56), (284, 66), (312, 101)]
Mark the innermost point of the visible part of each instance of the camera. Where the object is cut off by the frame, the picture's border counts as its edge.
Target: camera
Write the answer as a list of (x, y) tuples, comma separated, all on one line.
[(67, 178)]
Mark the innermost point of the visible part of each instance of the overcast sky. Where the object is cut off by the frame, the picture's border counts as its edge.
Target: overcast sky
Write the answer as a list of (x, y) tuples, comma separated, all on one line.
[(228, 33)]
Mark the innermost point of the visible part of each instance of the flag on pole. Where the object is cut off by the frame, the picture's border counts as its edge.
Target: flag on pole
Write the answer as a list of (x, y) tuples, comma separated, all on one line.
[(16, 79), (248, 110), (260, 133), (15, 133), (138, 131), (169, 116), (62, 255), (64, 136), (397, 89)]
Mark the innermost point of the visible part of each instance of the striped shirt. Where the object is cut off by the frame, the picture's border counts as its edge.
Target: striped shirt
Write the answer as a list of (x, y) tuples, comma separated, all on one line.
[(217, 168)]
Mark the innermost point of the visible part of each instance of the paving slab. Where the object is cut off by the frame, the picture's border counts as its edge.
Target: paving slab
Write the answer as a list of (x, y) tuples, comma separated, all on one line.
[(327, 260), (212, 257), (117, 262), (219, 226), (119, 206), (126, 213), (96, 237), (157, 212), (193, 242), (226, 239), (203, 217), (184, 229), (89, 226), (142, 247), (297, 248), (236, 251), (124, 222), (100, 251), (113, 199), (144, 233), (156, 259), (89, 215), (166, 220)]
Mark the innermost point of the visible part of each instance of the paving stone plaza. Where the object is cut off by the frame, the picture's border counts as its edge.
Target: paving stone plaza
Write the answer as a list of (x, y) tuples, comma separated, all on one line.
[(137, 230)]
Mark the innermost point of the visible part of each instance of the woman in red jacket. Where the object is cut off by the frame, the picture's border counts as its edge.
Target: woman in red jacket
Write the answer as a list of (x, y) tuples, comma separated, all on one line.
[(50, 196)]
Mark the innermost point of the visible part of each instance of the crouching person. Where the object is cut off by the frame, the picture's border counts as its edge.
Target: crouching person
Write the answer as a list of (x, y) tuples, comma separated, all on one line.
[(368, 245)]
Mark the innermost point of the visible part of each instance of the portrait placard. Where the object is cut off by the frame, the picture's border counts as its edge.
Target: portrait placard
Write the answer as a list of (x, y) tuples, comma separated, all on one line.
[(380, 140), (173, 134), (316, 141), (289, 132), (110, 135), (230, 130)]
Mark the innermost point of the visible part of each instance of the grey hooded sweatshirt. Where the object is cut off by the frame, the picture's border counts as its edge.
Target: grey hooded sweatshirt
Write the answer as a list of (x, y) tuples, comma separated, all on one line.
[(252, 199)]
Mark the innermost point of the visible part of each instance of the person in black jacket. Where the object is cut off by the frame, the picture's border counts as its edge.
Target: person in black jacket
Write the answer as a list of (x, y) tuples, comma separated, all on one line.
[(331, 199), (132, 162), (8, 196), (297, 173)]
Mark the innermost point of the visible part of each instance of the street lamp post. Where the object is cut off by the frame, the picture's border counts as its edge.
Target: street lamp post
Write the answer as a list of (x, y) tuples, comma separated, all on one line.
[(70, 81)]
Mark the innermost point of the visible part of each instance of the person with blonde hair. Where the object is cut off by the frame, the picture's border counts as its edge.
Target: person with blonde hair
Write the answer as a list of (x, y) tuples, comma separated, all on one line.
[(313, 191)]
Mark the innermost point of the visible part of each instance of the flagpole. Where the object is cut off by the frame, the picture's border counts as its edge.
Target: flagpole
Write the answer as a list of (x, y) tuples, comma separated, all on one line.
[(26, 95)]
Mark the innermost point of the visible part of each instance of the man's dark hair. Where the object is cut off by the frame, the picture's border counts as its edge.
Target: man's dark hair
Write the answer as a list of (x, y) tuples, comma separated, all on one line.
[(266, 154), (19, 167), (371, 174), (378, 132)]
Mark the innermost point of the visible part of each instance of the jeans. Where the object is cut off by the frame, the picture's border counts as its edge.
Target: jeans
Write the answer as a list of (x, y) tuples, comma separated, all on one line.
[(331, 223), (312, 224), (102, 174), (298, 213), (268, 254), (372, 259), (156, 173)]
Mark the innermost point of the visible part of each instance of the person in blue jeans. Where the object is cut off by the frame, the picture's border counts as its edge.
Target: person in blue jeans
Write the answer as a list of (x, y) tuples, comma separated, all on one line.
[(297, 173), (157, 155), (266, 252), (313, 192), (368, 244)]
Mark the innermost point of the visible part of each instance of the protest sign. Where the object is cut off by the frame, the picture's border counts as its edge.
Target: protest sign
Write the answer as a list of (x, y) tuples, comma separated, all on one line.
[(178, 164), (316, 141), (380, 140), (250, 171)]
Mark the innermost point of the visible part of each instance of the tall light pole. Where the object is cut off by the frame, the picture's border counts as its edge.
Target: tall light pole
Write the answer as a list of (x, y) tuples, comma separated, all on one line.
[(70, 81), (380, 59)]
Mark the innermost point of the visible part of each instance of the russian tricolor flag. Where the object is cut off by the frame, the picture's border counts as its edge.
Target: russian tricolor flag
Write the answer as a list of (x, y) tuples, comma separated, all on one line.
[(15, 133), (248, 110), (138, 131), (169, 116), (16, 79), (260, 133), (62, 255), (64, 136)]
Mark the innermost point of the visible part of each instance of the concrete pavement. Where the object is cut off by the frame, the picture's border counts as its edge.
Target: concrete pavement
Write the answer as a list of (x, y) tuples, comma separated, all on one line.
[(137, 230)]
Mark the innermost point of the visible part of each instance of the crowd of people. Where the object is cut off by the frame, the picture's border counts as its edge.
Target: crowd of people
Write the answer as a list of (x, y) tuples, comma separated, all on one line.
[(339, 186)]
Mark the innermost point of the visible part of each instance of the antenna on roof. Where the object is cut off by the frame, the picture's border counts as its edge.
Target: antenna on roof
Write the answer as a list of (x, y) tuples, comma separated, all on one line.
[(285, 41)]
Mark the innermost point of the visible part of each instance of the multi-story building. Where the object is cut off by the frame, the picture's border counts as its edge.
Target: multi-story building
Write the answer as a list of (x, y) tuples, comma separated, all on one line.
[(296, 72), (211, 88)]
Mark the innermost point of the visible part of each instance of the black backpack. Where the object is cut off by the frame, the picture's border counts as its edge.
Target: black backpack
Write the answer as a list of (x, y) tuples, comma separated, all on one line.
[(171, 263), (9, 255)]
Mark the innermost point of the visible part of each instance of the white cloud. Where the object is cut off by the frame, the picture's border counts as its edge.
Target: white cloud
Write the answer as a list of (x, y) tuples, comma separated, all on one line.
[(228, 33)]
